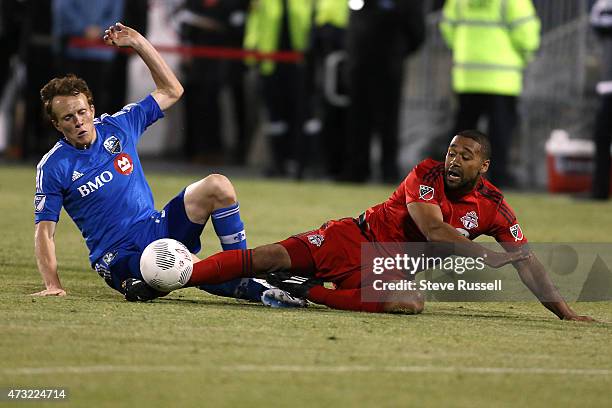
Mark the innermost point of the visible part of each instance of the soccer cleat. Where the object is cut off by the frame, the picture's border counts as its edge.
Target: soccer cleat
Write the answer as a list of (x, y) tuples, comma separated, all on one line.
[(136, 290), (277, 298)]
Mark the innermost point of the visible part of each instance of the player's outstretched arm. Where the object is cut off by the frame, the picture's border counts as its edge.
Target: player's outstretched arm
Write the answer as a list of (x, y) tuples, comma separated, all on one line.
[(428, 217), (168, 88), (534, 276), (44, 248)]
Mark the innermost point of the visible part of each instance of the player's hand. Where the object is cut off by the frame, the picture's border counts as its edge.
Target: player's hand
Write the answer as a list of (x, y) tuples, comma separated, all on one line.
[(120, 35), (499, 259), (577, 318), (297, 286), (50, 292)]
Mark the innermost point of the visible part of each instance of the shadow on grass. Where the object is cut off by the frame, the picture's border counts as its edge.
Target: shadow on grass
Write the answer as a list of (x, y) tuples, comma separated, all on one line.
[(445, 312), (514, 316)]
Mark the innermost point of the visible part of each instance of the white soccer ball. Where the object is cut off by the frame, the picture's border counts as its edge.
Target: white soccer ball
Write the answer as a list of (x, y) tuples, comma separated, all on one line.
[(166, 264)]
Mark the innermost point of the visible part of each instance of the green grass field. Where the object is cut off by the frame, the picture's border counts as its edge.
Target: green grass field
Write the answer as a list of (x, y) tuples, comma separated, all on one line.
[(193, 349)]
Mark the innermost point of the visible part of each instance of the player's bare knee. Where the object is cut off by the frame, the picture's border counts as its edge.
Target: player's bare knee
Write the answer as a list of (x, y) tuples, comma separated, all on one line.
[(219, 191), (270, 258), (203, 197)]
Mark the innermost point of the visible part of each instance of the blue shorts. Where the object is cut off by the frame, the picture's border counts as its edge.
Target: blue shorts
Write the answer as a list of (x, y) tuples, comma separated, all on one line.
[(123, 262)]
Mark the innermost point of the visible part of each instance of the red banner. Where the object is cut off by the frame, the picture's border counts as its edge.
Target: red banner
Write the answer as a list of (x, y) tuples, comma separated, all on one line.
[(202, 52)]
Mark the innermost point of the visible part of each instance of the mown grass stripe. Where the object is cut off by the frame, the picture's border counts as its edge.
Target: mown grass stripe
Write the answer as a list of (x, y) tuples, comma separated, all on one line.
[(310, 369)]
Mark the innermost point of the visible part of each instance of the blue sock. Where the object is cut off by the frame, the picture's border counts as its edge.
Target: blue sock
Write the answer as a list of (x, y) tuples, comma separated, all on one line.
[(241, 288), (230, 230), (229, 227)]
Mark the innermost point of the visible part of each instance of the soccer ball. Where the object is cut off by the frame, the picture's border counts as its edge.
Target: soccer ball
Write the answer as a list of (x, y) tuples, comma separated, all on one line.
[(166, 264)]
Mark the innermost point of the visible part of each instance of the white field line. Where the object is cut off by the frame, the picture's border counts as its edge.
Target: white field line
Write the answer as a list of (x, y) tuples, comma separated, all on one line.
[(307, 369)]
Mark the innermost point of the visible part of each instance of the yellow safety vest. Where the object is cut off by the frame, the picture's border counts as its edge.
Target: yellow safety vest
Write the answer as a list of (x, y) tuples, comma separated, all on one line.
[(492, 42), (333, 12), (263, 27)]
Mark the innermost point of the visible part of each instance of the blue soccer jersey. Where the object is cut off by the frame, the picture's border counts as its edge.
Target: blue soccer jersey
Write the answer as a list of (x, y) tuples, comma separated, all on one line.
[(103, 188)]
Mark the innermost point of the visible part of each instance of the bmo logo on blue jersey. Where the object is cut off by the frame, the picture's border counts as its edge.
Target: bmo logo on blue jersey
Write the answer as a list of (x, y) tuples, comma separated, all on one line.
[(96, 184)]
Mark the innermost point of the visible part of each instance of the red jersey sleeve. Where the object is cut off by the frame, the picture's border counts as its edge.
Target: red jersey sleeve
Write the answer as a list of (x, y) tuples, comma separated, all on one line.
[(506, 228), (423, 184)]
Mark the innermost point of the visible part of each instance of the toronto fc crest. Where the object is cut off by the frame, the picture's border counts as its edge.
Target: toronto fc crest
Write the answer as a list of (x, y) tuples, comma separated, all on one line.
[(316, 240), (470, 220)]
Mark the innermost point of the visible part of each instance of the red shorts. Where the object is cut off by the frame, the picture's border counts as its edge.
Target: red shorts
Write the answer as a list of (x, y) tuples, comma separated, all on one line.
[(332, 252)]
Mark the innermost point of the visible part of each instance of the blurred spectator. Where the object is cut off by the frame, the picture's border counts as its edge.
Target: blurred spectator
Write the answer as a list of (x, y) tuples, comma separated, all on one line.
[(492, 42), (234, 72), (4, 53), (11, 74), (381, 33), (601, 21), (281, 25), (212, 23), (135, 15), (87, 19), (38, 58), (328, 52), (11, 15)]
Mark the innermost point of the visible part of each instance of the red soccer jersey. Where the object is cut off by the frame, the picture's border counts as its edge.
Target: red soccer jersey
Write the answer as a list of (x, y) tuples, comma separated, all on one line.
[(483, 211)]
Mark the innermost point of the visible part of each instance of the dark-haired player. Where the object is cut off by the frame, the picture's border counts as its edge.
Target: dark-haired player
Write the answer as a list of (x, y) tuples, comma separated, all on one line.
[(94, 172), (448, 202)]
